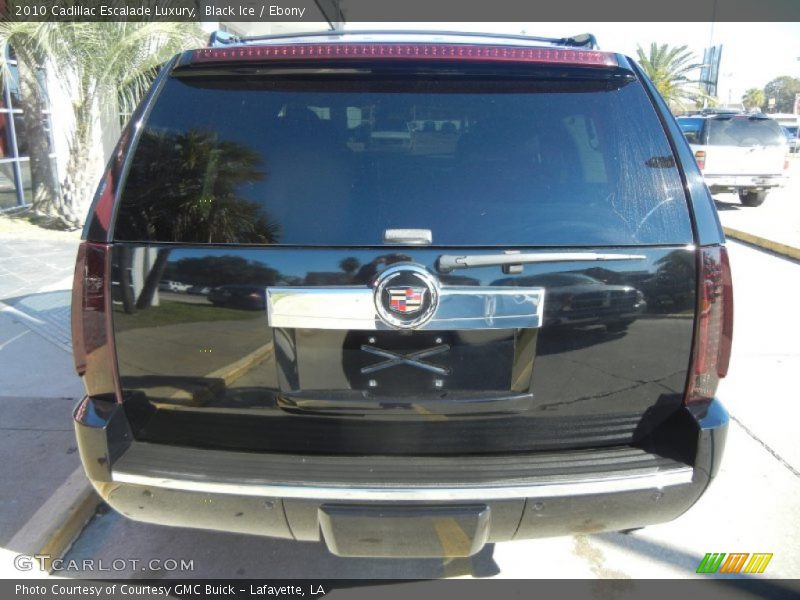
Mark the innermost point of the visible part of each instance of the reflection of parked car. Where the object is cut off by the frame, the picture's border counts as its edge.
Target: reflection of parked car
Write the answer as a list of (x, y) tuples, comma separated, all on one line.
[(199, 290), (738, 153), (668, 291), (249, 297), (577, 299), (172, 286), (400, 138)]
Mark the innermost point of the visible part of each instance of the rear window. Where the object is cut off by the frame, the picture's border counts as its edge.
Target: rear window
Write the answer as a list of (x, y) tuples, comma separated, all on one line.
[(269, 161), (744, 131)]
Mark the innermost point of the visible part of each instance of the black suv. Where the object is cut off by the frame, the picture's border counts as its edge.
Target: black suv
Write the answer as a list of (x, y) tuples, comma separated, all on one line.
[(450, 290)]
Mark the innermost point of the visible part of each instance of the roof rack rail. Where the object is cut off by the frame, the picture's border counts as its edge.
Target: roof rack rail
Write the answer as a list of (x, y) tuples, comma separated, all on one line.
[(222, 38), (583, 40), (720, 111)]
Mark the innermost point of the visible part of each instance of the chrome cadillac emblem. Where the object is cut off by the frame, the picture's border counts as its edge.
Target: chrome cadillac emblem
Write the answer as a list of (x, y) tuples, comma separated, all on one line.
[(406, 296), (406, 300)]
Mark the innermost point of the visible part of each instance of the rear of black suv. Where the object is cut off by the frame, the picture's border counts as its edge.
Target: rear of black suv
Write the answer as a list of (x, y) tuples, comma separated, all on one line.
[(422, 295)]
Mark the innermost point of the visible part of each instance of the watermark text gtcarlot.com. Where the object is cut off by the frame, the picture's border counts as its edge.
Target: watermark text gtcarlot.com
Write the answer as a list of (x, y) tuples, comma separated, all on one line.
[(43, 562)]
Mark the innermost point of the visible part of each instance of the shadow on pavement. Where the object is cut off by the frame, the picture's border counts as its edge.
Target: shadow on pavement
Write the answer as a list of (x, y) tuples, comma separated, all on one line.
[(726, 205), (224, 555), (756, 584)]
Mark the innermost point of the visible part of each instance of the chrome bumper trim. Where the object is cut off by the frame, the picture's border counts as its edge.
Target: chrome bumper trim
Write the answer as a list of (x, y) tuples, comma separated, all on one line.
[(630, 483), (460, 307), (744, 180)]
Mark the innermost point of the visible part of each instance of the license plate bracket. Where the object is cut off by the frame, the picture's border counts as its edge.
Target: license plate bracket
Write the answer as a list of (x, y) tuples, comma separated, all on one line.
[(400, 363), (405, 531)]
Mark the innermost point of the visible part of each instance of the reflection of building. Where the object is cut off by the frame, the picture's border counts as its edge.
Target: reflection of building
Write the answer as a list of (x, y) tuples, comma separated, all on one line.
[(15, 172), (143, 261)]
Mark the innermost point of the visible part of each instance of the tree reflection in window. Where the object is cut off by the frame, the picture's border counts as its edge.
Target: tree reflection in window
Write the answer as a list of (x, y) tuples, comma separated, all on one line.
[(186, 187)]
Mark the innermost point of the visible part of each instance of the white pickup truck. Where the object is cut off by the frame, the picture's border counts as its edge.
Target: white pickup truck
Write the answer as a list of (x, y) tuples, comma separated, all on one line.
[(741, 153)]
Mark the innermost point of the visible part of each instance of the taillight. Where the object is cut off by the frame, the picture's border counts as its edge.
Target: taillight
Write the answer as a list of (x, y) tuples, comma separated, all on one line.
[(440, 52), (786, 163), (92, 341), (714, 333), (700, 157)]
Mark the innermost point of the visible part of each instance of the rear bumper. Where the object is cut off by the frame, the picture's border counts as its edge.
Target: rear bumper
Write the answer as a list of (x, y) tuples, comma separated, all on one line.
[(729, 182), (414, 506)]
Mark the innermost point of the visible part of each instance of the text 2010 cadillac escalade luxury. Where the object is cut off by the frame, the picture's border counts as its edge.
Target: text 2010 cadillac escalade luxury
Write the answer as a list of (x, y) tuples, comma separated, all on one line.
[(407, 294)]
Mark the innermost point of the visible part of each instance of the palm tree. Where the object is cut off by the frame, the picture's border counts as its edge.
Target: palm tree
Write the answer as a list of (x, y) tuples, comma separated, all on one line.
[(99, 67), (187, 187), (753, 98), (669, 69), (349, 265)]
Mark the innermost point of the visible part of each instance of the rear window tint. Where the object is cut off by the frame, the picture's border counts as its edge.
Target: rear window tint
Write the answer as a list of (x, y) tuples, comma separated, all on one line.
[(742, 131), (265, 161)]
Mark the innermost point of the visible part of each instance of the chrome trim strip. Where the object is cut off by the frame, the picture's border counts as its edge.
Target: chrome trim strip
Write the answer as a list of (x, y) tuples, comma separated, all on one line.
[(321, 307), (460, 307), (657, 480)]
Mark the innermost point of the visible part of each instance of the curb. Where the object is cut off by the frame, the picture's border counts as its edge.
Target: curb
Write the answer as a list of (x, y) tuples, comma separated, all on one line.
[(53, 528), (56, 525), (224, 377), (761, 242)]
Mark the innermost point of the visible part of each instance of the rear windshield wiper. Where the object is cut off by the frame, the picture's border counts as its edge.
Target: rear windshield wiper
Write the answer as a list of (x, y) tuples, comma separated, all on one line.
[(512, 262)]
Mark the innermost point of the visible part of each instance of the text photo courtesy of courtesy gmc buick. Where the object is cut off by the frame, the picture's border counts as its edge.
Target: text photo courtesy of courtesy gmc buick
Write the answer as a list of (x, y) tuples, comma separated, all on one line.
[(403, 294)]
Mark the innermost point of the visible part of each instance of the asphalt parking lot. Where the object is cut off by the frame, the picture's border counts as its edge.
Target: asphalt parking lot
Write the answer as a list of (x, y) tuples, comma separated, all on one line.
[(752, 507), (776, 223)]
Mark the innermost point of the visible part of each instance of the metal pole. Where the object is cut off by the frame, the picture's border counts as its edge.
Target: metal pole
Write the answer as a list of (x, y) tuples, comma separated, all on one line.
[(14, 149)]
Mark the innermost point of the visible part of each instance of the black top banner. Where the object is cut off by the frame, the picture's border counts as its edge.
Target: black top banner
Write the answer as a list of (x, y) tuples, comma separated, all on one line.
[(354, 11)]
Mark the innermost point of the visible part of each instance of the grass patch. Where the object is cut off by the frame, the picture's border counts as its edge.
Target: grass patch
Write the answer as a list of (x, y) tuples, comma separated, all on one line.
[(173, 313)]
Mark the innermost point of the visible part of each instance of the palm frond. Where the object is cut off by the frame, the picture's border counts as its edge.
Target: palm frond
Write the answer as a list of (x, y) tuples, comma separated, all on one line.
[(100, 67), (672, 71)]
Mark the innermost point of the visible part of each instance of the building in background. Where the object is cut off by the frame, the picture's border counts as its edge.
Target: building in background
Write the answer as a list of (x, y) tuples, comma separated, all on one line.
[(15, 173)]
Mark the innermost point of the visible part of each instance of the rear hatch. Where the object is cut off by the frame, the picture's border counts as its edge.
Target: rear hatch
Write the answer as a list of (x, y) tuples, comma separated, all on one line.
[(267, 207), (742, 145)]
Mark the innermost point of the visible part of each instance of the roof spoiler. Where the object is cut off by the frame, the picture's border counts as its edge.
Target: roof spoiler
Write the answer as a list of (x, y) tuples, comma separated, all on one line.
[(224, 38)]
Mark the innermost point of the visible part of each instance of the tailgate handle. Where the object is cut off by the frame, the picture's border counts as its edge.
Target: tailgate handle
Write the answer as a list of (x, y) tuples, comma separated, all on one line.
[(414, 237)]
